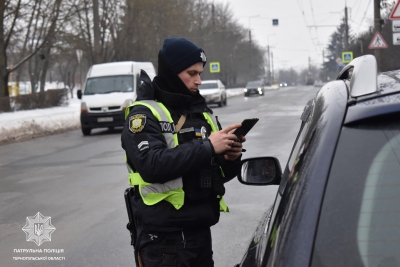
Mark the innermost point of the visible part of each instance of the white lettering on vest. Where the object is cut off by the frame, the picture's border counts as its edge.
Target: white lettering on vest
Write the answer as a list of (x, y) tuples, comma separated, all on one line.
[(167, 127)]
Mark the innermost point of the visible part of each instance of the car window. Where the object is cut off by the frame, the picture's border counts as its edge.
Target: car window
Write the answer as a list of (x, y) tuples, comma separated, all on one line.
[(208, 86), (360, 217), (298, 146)]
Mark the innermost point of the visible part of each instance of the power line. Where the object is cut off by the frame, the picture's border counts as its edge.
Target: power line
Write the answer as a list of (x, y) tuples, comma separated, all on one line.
[(316, 29), (305, 21), (369, 2)]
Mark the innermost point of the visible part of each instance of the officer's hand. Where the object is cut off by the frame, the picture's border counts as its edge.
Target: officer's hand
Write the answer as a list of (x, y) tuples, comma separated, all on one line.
[(236, 149), (223, 140)]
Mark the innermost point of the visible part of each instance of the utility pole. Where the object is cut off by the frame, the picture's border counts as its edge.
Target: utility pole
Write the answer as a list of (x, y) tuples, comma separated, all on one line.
[(213, 17), (96, 32), (378, 28), (250, 49), (269, 66), (272, 63), (213, 26), (346, 37)]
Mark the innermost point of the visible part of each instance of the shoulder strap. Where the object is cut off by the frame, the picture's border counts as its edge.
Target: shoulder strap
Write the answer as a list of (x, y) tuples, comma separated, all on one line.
[(181, 121)]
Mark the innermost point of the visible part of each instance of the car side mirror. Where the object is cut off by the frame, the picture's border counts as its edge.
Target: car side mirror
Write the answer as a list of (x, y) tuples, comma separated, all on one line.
[(260, 171), (79, 94)]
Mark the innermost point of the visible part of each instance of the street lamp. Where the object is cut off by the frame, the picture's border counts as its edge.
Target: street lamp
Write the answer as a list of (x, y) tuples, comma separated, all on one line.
[(251, 17), (79, 56), (270, 78), (255, 16)]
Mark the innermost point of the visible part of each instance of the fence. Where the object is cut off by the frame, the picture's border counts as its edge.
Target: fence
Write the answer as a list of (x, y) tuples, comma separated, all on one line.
[(47, 99)]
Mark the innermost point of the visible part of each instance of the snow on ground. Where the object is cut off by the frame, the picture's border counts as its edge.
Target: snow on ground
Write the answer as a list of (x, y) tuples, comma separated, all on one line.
[(25, 124)]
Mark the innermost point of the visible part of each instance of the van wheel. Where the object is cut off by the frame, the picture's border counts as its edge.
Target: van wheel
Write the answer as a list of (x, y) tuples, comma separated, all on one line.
[(225, 101), (86, 131), (221, 103)]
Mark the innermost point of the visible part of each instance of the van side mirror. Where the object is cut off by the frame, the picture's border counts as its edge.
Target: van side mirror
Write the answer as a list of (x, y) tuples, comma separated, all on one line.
[(79, 94), (260, 171)]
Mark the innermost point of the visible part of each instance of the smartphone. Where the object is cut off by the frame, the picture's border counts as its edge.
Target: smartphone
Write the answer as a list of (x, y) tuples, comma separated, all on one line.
[(247, 124)]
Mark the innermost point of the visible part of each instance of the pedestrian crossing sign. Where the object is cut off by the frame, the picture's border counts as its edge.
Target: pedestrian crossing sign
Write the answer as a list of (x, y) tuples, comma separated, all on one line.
[(347, 56), (378, 42), (214, 67)]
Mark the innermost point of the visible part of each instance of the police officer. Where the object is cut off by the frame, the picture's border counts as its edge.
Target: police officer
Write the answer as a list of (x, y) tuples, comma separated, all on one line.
[(178, 158)]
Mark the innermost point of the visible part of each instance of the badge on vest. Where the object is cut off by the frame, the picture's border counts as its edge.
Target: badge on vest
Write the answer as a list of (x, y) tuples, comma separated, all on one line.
[(137, 123), (201, 132)]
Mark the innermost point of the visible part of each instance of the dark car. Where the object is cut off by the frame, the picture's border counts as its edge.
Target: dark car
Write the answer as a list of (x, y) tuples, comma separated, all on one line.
[(254, 87), (283, 84), (338, 201)]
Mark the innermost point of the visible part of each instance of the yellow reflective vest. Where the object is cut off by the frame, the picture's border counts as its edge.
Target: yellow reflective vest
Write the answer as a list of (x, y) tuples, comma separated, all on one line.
[(171, 191)]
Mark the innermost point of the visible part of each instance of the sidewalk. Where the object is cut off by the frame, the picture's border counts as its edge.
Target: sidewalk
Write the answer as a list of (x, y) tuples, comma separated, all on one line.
[(26, 124)]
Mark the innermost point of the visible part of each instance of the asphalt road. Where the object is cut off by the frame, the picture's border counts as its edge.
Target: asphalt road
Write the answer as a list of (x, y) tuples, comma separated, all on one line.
[(79, 182)]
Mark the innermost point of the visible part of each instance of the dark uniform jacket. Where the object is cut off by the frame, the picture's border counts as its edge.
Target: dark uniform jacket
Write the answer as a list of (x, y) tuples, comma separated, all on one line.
[(193, 160)]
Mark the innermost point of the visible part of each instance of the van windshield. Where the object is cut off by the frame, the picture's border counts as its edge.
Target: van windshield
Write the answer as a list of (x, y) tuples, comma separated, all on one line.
[(109, 84)]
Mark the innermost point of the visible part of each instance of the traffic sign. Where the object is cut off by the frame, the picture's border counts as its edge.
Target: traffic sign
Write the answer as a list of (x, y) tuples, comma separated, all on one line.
[(377, 42), (347, 56), (396, 25), (214, 67), (396, 38), (395, 12), (275, 22)]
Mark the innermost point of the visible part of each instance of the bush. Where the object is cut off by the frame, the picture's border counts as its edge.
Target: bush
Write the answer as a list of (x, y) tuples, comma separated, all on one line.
[(47, 99)]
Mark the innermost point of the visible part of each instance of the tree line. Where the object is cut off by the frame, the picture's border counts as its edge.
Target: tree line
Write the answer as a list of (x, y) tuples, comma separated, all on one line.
[(39, 39)]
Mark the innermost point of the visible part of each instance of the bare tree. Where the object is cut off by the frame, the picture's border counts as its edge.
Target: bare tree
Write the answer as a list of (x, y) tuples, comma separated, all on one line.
[(14, 24)]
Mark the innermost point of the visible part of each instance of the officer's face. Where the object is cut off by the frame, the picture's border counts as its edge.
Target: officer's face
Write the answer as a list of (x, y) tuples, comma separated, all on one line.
[(191, 76)]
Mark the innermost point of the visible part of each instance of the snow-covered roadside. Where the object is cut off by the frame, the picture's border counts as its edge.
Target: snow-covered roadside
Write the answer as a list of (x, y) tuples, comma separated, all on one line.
[(27, 124), (20, 125)]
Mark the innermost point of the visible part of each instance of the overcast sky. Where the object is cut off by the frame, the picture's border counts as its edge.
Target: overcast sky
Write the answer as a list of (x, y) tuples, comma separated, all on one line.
[(292, 41)]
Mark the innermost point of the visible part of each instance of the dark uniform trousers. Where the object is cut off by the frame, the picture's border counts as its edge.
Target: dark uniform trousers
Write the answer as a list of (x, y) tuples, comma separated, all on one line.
[(188, 248)]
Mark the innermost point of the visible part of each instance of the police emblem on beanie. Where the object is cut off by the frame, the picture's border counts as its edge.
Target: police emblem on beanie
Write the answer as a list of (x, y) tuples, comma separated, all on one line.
[(180, 54)]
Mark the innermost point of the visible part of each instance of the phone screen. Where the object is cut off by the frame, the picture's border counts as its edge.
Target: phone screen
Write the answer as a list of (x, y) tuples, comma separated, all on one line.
[(247, 124)]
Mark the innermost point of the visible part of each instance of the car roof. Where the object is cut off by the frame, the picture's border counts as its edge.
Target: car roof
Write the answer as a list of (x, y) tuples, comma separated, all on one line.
[(209, 81)]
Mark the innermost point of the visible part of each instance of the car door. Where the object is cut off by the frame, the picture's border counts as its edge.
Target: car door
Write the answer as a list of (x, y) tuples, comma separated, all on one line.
[(293, 230), (260, 249)]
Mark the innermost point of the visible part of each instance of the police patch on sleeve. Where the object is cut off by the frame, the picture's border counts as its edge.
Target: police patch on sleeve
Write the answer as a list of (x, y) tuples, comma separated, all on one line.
[(137, 123)]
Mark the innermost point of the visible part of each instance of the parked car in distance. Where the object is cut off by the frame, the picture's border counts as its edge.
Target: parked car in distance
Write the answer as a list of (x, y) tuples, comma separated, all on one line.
[(254, 87), (214, 92), (318, 83), (338, 198)]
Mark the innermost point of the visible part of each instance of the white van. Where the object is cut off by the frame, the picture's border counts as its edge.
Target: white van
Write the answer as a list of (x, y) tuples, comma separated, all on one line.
[(109, 89)]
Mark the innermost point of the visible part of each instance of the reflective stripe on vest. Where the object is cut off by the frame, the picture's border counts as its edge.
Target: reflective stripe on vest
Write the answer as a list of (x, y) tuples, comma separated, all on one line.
[(170, 191)]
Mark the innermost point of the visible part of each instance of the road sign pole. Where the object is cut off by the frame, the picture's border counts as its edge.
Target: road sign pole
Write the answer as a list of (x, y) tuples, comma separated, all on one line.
[(378, 28)]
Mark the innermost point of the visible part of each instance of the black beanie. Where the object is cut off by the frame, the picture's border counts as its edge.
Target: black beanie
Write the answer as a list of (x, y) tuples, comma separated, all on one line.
[(180, 54)]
